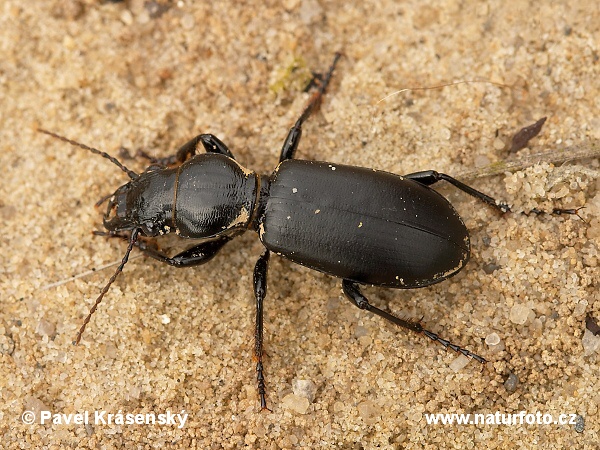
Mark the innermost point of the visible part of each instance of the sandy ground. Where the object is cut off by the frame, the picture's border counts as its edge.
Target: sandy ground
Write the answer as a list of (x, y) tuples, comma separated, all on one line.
[(145, 75)]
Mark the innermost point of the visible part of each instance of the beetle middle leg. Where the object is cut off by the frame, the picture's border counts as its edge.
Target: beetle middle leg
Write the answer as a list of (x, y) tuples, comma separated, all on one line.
[(429, 177), (260, 292), (353, 293), (293, 138)]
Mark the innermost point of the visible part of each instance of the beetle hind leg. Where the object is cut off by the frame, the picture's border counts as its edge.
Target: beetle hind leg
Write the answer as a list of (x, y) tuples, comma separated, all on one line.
[(353, 293)]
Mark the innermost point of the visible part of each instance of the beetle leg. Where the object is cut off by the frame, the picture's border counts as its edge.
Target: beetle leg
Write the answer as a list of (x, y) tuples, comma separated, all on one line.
[(260, 292), (352, 291), (211, 143), (429, 177), (195, 256), (293, 138)]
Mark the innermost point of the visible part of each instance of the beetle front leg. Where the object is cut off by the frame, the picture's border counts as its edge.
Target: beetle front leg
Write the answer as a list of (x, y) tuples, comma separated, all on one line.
[(293, 138), (210, 142), (194, 256), (260, 292), (352, 291)]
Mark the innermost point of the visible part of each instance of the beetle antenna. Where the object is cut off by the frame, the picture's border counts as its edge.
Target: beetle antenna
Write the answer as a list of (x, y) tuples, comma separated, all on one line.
[(132, 241), (112, 159)]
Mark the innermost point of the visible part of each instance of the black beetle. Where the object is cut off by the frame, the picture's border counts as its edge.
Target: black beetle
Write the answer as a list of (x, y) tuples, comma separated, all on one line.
[(361, 225)]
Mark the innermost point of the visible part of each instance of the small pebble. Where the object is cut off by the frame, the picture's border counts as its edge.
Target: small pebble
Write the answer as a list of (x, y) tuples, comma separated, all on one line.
[(45, 328), (310, 10), (494, 342), (579, 424), (304, 388), (519, 314), (111, 351), (459, 363), (295, 403), (590, 343), (7, 345), (369, 412), (491, 268), (36, 406), (361, 331), (492, 339), (498, 144), (511, 383), (188, 22)]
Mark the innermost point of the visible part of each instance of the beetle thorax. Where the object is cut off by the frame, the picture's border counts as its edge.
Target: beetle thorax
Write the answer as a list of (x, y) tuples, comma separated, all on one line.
[(207, 196)]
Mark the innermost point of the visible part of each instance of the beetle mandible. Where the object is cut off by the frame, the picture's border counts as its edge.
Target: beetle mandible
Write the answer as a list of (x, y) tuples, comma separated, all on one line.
[(365, 226)]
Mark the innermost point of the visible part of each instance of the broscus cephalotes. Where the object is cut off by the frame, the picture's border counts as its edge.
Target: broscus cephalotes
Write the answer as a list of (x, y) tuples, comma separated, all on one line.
[(364, 226)]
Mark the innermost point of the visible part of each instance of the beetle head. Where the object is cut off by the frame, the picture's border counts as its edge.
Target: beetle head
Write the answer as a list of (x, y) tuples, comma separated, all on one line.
[(145, 204), (118, 216)]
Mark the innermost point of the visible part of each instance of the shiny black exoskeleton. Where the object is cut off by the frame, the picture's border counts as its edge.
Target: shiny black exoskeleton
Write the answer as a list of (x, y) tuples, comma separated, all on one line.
[(361, 225)]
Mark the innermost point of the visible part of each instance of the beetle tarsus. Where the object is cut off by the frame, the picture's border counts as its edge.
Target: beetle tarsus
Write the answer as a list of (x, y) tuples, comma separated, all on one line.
[(352, 291), (558, 212), (262, 390), (456, 348)]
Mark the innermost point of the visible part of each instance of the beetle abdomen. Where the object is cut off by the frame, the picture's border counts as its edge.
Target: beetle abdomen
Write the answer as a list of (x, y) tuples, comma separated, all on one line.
[(364, 225)]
